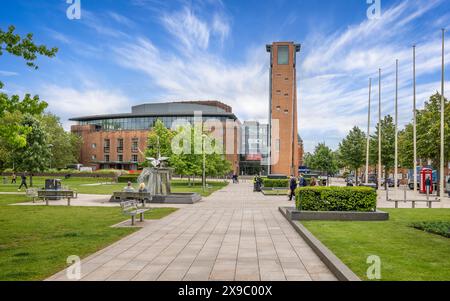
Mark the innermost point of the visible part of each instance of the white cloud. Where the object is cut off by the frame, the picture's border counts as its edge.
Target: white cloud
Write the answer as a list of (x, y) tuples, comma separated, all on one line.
[(69, 102)]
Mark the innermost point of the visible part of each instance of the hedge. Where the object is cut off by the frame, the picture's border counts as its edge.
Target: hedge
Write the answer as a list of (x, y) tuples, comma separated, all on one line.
[(275, 183), (336, 198)]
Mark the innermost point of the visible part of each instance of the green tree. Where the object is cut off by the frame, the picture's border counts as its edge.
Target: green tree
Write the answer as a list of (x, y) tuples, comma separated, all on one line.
[(13, 131), (323, 159), (352, 150), (36, 155), (387, 146), (24, 47), (65, 146)]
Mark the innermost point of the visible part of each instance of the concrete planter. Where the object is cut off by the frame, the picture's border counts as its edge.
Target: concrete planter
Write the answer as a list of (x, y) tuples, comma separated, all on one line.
[(297, 215)]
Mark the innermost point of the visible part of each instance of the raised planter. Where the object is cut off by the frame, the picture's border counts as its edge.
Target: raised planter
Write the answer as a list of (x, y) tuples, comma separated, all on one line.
[(297, 215)]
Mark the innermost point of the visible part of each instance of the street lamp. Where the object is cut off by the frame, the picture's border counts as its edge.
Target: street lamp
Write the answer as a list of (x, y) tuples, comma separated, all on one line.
[(204, 163)]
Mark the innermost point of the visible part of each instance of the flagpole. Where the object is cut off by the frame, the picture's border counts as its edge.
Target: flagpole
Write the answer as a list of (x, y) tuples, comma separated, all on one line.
[(396, 126), (368, 135), (379, 129), (414, 120), (442, 174)]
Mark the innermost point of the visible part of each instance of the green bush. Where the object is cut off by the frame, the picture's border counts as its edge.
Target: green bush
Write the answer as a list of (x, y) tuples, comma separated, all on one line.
[(275, 183), (336, 198), (435, 227)]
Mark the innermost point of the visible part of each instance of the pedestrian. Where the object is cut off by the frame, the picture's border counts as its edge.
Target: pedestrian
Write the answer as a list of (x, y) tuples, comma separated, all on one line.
[(23, 181), (428, 184), (13, 178), (128, 188), (292, 187), (301, 181), (313, 182)]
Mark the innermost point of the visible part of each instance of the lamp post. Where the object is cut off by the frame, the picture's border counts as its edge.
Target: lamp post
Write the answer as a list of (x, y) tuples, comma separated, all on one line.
[(396, 127), (204, 163), (379, 129), (368, 135), (442, 175), (414, 121)]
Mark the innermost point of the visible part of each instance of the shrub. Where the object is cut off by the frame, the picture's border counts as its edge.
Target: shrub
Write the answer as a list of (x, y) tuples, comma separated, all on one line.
[(435, 227), (336, 198), (275, 183)]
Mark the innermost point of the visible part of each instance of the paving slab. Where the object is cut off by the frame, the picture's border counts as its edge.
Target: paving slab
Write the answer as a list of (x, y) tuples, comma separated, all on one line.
[(234, 234)]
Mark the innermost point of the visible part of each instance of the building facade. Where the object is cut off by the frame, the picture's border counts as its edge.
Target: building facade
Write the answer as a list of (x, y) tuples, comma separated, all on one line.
[(254, 148), (284, 146), (119, 140)]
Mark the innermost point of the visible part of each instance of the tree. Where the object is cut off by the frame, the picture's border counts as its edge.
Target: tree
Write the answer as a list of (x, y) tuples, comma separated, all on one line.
[(13, 131), (387, 146), (323, 159), (36, 155), (23, 47), (65, 146), (352, 150)]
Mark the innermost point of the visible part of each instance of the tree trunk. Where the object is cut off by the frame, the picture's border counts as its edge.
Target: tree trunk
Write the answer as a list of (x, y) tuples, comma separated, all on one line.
[(356, 176), (386, 178)]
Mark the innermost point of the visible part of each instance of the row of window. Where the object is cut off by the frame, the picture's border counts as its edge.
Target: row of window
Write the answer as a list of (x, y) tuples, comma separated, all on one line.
[(107, 158), (120, 145), (140, 123)]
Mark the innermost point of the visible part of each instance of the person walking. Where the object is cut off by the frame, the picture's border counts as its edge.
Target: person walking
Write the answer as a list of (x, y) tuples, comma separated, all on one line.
[(13, 178), (23, 181), (301, 181), (292, 187)]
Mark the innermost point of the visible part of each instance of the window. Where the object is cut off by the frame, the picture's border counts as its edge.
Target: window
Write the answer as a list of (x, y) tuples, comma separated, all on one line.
[(278, 108), (283, 55), (106, 158), (106, 145), (120, 145), (94, 145), (120, 158), (134, 145), (134, 158), (286, 111), (93, 157)]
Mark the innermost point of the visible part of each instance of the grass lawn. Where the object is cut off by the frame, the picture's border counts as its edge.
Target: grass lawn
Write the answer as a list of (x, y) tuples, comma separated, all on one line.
[(35, 241), (406, 253), (103, 185)]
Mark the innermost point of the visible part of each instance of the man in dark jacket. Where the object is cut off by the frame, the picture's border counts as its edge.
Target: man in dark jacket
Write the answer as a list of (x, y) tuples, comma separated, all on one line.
[(292, 187), (23, 181)]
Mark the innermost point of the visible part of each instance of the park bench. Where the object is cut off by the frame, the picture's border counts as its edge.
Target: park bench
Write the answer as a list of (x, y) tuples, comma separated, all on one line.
[(131, 208), (32, 193), (428, 200), (47, 194)]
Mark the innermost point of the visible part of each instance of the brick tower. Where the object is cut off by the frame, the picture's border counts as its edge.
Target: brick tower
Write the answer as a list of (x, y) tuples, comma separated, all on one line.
[(283, 136)]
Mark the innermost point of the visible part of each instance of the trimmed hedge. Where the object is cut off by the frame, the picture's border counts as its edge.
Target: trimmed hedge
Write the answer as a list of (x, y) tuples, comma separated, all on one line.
[(275, 183), (319, 198)]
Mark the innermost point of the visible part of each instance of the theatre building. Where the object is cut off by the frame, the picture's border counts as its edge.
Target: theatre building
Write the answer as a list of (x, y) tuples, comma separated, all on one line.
[(118, 140)]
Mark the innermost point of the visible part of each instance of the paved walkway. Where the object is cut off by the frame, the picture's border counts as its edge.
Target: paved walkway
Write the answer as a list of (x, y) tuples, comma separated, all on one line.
[(234, 234)]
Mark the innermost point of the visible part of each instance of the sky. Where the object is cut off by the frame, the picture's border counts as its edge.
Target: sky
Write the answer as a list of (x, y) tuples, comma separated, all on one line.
[(122, 53)]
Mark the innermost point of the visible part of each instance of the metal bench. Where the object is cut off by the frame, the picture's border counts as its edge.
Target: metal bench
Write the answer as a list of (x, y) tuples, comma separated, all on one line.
[(46, 195), (32, 193), (131, 208), (428, 200)]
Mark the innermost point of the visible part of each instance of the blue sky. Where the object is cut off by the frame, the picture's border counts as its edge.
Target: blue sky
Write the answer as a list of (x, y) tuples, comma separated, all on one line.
[(122, 53)]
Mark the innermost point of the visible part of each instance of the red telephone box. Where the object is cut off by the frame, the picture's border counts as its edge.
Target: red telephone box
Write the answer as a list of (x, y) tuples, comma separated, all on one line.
[(424, 174)]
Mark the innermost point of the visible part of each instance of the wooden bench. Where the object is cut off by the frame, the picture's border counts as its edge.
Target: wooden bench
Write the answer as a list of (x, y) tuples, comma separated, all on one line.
[(131, 208), (47, 195)]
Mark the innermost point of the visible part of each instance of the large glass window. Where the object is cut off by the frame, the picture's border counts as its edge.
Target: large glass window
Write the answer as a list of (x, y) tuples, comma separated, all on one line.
[(283, 55)]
